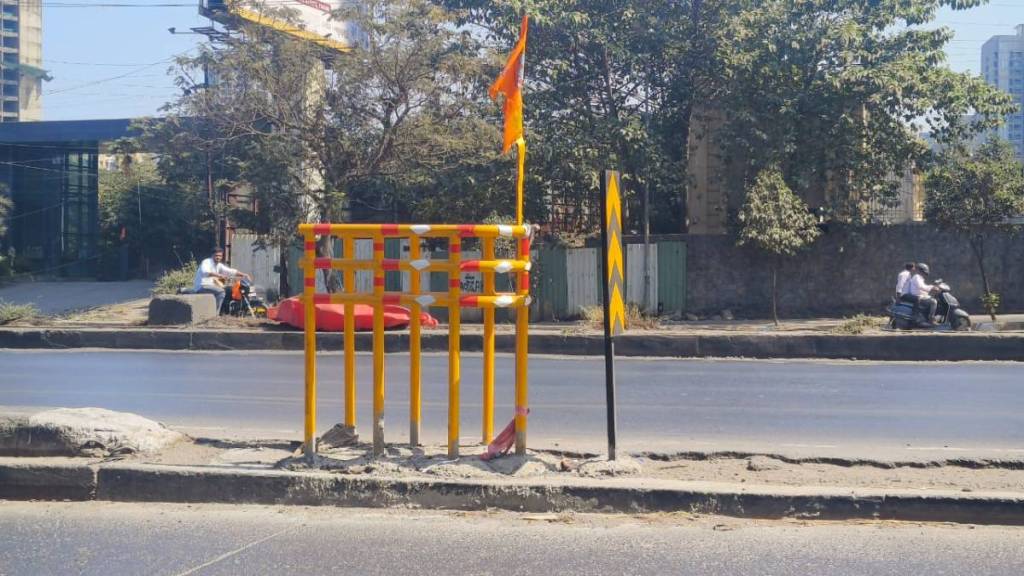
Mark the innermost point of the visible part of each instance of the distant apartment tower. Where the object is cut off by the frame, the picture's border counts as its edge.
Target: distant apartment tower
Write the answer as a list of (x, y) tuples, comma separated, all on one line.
[(21, 68), (1002, 65)]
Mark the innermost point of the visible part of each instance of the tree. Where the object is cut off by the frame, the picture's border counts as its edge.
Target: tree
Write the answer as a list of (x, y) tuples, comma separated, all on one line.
[(834, 92), (398, 129), (5, 209), (975, 195), (145, 218), (610, 83), (619, 82), (775, 221)]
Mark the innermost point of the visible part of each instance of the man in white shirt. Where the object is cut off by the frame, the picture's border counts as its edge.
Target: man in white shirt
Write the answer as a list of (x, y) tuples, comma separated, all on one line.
[(211, 275), (902, 279), (921, 291)]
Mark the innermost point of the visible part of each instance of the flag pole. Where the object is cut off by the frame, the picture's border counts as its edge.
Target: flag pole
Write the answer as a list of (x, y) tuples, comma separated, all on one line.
[(520, 180)]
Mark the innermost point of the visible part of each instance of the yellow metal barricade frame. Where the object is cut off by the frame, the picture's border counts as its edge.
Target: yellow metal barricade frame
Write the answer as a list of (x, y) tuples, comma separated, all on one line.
[(416, 300)]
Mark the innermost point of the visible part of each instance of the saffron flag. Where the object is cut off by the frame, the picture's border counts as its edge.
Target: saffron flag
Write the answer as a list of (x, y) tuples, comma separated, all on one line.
[(510, 83)]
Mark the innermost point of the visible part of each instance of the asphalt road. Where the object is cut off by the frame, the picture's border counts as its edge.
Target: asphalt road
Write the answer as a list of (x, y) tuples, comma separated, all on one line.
[(663, 404), (162, 539)]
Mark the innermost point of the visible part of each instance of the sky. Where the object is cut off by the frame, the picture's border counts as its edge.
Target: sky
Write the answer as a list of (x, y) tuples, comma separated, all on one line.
[(111, 62)]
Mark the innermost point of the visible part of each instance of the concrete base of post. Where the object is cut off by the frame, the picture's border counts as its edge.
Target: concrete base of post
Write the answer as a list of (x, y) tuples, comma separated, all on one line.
[(309, 451), (378, 437)]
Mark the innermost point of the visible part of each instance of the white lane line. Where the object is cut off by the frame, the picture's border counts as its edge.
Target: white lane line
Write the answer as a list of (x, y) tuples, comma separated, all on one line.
[(961, 449), (227, 555)]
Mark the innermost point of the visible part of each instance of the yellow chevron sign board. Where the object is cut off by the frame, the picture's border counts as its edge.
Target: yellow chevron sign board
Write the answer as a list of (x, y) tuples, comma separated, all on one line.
[(615, 267)]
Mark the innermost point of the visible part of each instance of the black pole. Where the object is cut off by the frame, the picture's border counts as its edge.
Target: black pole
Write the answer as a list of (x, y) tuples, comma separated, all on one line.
[(609, 340)]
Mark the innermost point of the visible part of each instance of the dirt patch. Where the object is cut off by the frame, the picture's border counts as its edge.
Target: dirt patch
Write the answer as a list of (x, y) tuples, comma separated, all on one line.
[(239, 323), (763, 470), (426, 462), (432, 462), (130, 313)]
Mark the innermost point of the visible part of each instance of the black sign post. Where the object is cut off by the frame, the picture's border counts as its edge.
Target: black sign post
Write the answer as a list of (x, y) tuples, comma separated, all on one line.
[(612, 290)]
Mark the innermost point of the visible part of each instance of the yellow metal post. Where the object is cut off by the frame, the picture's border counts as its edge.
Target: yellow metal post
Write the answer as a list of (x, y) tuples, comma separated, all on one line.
[(308, 290), (378, 345), (349, 249), (522, 344), (488, 395), (454, 328), (488, 300), (415, 399), (520, 179)]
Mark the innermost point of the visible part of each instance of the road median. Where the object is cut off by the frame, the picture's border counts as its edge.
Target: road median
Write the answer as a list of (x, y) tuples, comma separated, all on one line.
[(123, 482), (885, 347)]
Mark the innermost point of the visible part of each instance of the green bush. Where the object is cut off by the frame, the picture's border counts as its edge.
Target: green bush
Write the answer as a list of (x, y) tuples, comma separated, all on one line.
[(174, 280), (10, 312), (991, 302)]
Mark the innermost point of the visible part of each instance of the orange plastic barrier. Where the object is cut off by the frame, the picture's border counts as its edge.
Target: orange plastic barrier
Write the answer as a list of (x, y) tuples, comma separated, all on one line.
[(331, 317)]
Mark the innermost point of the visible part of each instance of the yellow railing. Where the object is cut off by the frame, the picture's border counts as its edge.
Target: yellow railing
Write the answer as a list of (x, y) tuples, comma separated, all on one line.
[(453, 299)]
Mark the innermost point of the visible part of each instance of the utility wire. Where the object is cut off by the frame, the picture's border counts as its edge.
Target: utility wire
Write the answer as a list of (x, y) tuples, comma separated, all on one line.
[(30, 213), (119, 76)]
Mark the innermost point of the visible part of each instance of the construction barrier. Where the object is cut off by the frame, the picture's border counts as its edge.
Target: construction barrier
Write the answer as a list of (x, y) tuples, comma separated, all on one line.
[(416, 300)]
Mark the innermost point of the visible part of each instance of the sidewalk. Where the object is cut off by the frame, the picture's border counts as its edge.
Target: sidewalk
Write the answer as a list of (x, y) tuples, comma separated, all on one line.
[(64, 297), (122, 326)]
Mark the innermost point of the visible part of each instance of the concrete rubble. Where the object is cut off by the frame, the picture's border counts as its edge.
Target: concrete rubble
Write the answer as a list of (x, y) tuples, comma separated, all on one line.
[(92, 432)]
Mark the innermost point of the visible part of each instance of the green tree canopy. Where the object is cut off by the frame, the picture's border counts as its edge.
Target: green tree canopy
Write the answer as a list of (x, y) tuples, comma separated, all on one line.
[(832, 92), (5, 209), (154, 223), (974, 194), (398, 129)]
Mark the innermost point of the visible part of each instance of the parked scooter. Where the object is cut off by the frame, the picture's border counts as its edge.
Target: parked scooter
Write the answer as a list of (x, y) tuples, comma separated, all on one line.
[(949, 314)]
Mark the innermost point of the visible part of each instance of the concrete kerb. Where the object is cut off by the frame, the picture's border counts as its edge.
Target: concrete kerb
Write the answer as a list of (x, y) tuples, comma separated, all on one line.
[(923, 347), (185, 484), (47, 479)]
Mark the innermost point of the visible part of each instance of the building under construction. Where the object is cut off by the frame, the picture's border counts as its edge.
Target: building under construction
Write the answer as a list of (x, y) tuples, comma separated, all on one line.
[(21, 68)]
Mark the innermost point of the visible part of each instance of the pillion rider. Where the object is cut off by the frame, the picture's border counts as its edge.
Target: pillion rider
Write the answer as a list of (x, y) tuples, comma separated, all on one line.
[(921, 291)]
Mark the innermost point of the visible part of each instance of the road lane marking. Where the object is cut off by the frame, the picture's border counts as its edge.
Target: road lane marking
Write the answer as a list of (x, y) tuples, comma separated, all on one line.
[(234, 552)]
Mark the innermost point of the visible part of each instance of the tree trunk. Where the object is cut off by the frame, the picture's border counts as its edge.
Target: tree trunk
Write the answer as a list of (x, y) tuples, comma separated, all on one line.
[(686, 114), (283, 289), (978, 247), (775, 292), (684, 134), (331, 280)]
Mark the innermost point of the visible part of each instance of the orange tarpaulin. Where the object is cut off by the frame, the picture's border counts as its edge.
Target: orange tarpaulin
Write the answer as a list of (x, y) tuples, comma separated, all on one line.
[(331, 317)]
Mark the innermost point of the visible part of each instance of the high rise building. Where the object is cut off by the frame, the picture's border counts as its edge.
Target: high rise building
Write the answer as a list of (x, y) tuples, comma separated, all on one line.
[(21, 65), (1002, 65)]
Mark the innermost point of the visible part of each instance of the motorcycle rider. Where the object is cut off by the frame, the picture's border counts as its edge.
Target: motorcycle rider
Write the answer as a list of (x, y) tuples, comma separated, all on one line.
[(211, 275), (921, 291), (902, 288)]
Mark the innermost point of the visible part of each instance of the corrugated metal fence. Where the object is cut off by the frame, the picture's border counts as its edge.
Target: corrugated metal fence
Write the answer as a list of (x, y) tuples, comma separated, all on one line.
[(262, 262), (565, 280)]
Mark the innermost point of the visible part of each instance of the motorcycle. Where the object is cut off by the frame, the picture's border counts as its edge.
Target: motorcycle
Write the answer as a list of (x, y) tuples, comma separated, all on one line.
[(243, 299), (949, 315)]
